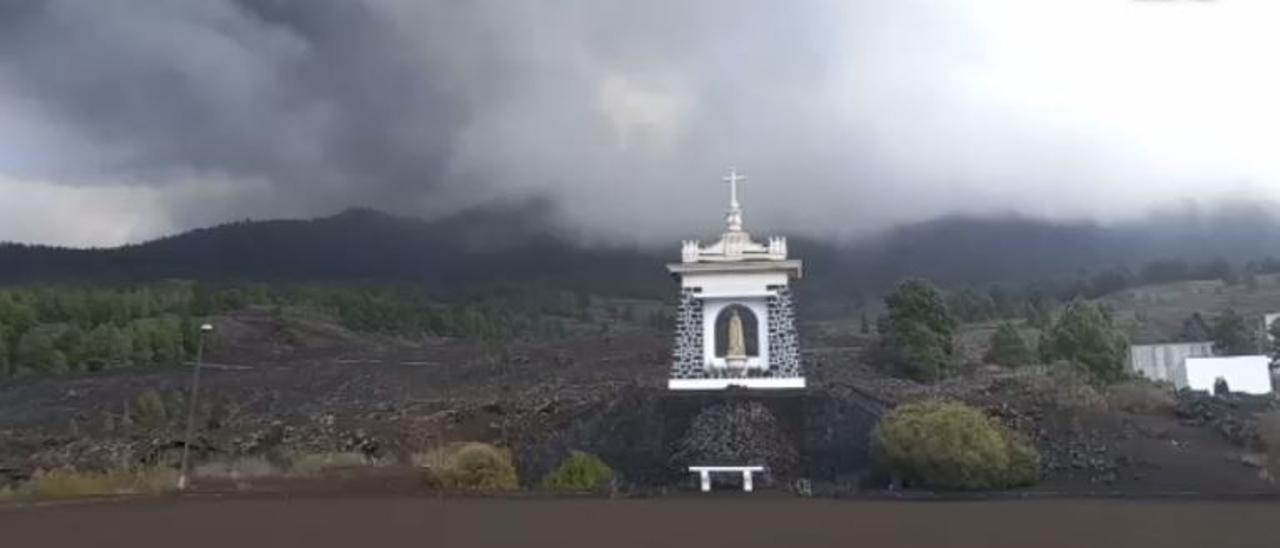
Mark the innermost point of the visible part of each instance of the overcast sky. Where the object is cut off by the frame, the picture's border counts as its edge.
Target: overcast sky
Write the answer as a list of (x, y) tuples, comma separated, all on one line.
[(122, 120)]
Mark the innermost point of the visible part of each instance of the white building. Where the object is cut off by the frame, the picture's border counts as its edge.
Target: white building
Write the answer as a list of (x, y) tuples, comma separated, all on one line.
[(1267, 321), (735, 325), (1247, 374), (1164, 362)]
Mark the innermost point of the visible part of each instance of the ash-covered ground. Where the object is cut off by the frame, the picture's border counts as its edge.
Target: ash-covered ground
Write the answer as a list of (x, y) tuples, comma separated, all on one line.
[(277, 386)]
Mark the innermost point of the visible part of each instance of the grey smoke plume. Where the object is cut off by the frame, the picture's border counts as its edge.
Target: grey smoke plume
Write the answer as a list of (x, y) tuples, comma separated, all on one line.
[(136, 117)]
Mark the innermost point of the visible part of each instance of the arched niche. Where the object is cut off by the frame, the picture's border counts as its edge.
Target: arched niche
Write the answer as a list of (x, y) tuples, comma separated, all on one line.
[(750, 330)]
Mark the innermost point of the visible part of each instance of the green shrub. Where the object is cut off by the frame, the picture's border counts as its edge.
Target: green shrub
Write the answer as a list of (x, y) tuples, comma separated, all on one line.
[(469, 466), (581, 472), (151, 409), (950, 445), (1024, 460)]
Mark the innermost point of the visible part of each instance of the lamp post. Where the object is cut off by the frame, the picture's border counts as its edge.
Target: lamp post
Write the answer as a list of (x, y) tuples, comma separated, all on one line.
[(191, 409)]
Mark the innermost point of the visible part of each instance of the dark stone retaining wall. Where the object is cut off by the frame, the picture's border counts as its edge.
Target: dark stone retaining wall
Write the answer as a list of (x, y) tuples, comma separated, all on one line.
[(636, 433)]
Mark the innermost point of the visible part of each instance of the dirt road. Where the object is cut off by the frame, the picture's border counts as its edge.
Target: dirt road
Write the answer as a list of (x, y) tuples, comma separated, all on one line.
[(738, 522)]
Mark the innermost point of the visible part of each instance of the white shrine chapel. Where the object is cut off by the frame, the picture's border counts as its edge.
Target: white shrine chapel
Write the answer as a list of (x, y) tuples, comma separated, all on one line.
[(735, 324)]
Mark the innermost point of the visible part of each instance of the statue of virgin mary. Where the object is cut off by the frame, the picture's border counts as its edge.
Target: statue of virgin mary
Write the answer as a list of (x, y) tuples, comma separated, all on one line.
[(737, 347)]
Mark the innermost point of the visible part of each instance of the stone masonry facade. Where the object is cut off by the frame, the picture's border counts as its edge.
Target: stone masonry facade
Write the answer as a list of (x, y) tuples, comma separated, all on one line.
[(784, 341), (687, 347)]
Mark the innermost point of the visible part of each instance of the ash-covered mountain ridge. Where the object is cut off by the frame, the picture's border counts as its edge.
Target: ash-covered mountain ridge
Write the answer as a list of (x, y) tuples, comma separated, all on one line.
[(516, 244)]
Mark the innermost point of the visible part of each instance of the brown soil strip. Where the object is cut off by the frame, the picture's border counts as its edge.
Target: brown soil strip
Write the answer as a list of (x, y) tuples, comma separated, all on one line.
[(705, 522)]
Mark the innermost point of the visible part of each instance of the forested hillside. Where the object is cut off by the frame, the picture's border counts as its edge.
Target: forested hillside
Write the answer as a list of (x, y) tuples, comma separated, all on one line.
[(482, 248), (521, 247), (502, 271), (59, 329)]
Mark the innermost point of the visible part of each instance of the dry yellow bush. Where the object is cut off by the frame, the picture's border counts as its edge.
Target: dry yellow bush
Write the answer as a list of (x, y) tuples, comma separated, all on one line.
[(469, 466), (314, 463), (237, 469), (69, 483)]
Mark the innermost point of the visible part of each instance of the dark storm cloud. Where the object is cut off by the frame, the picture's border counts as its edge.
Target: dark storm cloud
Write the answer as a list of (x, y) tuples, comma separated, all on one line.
[(401, 104), (318, 98), (845, 115)]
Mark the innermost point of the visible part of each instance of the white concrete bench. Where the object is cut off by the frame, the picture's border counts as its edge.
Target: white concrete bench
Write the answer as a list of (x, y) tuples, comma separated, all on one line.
[(704, 472)]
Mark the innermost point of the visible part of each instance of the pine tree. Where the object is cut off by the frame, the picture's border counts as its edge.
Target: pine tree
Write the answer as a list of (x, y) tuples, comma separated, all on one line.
[(19, 316), (71, 343), (167, 340), (918, 300), (1039, 313), (141, 353), (38, 351), (121, 353), (916, 331), (1008, 347), (97, 348), (971, 306), (1195, 329), (1086, 335), (190, 334), (1232, 336), (1274, 331), (914, 351), (4, 351)]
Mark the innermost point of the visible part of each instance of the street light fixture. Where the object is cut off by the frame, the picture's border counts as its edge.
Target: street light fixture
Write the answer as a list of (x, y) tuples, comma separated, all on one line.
[(191, 409)]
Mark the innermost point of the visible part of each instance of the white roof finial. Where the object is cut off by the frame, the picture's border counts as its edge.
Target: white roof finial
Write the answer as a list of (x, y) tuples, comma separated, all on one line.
[(734, 219), (735, 244)]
